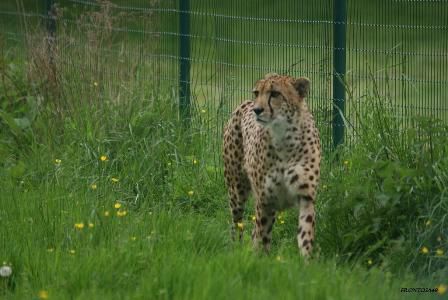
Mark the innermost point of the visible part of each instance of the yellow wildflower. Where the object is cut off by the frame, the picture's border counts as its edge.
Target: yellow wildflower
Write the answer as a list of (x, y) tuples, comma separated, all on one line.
[(441, 289), (278, 258), (369, 262), (439, 252), (114, 180), (79, 225), (57, 161), (424, 250), (95, 83), (121, 213), (195, 162), (72, 251), (254, 218), (240, 225), (117, 205), (93, 186), (43, 294), (345, 162), (104, 158), (203, 111), (428, 223), (106, 213), (91, 225), (282, 221), (190, 193)]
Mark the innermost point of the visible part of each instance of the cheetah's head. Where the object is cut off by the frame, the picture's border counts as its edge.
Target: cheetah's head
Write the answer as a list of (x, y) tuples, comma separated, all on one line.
[(278, 97)]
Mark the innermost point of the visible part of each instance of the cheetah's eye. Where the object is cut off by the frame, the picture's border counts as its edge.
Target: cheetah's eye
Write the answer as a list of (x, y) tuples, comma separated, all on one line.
[(256, 93), (275, 94)]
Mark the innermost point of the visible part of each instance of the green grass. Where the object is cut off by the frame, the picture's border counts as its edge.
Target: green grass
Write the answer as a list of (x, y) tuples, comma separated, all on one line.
[(154, 251)]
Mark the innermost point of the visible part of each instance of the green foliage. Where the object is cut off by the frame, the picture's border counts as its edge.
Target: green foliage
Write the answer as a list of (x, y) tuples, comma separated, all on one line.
[(385, 200), (18, 111)]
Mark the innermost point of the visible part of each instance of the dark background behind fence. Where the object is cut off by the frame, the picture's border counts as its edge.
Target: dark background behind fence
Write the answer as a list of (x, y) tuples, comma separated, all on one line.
[(397, 49)]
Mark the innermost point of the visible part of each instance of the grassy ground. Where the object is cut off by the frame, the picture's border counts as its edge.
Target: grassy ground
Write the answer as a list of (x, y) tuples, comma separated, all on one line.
[(106, 193), (114, 202), (155, 253), (90, 222)]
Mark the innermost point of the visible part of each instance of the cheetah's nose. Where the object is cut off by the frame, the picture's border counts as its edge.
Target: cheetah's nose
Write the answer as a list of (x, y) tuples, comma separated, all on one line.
[(258, 110)]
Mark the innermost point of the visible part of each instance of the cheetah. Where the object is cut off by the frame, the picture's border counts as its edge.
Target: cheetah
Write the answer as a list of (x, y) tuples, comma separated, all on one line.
[(271, 147)]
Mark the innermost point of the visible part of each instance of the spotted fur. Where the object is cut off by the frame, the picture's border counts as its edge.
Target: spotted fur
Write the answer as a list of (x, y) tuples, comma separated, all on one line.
[(272, 148)]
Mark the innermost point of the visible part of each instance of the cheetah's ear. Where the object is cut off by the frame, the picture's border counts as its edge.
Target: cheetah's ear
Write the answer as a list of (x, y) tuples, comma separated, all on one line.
[(302, 86), (269, 75)]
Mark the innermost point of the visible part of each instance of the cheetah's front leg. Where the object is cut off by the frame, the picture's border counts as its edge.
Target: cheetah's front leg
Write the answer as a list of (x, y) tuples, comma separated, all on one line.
[(301, 183), (262, 233), (305, 233)]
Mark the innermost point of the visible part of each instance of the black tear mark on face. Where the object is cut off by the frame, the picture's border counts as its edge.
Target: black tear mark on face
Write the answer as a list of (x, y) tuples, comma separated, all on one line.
[(270, 106)]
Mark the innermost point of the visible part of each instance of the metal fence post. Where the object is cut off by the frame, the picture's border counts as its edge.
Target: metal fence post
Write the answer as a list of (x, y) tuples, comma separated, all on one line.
[(184, 60), (51, 33), (339, 45)]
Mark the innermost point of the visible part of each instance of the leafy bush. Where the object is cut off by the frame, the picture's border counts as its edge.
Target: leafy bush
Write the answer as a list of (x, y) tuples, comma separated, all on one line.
[(19, 106), (385, 200)]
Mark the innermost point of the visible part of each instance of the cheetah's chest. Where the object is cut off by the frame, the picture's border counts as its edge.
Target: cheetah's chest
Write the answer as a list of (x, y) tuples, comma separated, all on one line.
[(275, 187)]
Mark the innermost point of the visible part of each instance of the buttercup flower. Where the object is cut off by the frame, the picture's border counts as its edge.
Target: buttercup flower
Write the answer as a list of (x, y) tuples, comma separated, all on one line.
[(424, 250), (43, 294), (121, 213), (79, 225), (190, 193), (254, 218), (91, 225), (104, 158), (369, 262), (240, 225), (72, 251), (428, 223), (106, 213), (57, 161), (114, 180), (95, 83), (195, 162), (93, 186), (203, 111), (117, 205), (439, 252)]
